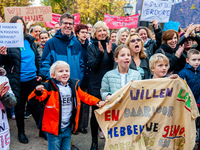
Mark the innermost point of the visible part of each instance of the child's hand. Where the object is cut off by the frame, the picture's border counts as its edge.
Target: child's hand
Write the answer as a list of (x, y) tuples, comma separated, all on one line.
[(173, 76), (101, 103), (40, 88), (3, 89), (108, 97)]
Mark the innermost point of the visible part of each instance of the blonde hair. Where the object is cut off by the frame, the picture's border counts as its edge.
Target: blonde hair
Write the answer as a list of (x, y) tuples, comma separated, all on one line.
[(99, 24), (52, 69), (122, 30), (142, 53), (192, 52), (157, 57)]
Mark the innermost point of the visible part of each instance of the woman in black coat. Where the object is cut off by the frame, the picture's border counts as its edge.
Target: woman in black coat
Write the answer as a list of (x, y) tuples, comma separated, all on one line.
[(100, 59), (22, 66), (170, 47)]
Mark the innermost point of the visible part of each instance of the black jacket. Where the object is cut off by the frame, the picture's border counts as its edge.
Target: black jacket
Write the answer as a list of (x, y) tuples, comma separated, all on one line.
[(144, 64), (99, 64), (12, 65), (151, 46), (176, 64)]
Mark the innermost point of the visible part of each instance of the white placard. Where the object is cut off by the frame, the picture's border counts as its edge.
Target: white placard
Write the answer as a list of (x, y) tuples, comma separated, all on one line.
[(11, 35), (156, 9)]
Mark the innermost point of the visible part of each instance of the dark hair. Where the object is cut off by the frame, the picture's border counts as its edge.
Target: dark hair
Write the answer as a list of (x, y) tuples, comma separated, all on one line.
[(79, 27), (192, 52), (67, 15), (14, 20), (113, 32), (168, 35), (116, 52), (44, 32), (146, 29)]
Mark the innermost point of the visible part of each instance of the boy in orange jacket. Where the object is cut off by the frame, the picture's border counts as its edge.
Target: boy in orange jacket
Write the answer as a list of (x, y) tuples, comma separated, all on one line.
[(62, 97)]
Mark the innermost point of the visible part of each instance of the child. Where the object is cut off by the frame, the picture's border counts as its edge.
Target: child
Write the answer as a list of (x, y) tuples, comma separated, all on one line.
[(7, 100), (115, 79), (191, 73), (62, 97), (159, 65), (3, 78)]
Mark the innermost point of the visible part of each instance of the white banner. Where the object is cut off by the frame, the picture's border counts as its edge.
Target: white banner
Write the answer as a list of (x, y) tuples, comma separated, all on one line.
[(156, 9), (11, 35)]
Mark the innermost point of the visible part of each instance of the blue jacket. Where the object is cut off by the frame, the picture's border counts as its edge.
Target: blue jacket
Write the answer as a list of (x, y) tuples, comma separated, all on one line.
[(192, 78), (111, 81), (65, 48)]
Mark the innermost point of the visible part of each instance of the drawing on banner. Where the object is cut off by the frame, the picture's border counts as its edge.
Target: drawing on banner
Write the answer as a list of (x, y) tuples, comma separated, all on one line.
[(11, 35), (146, 115)]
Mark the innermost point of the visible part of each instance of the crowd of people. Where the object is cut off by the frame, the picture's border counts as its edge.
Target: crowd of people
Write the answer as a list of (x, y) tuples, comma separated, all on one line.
[(60, 72)]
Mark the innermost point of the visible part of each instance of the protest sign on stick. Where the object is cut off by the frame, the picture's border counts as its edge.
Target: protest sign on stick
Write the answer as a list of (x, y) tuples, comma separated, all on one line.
[(117, 22), (56, 19), (171, 25), (11, 35), (37, 14), (155, 9), (151, 114)]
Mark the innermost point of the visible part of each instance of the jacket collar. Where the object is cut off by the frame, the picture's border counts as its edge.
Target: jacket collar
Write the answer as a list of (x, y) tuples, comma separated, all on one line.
[(168, 49), (188, 66), (117, 71), (65, 38)]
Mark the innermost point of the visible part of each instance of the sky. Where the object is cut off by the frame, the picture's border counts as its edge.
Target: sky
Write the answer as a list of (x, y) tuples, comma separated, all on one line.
[(36, 3)]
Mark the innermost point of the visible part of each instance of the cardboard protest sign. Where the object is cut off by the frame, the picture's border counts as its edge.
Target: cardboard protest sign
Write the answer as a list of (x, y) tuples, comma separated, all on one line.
[(56, 19), (117, 22), (37, 14), (155, 9), (150, 114), (11, 35), (171, 25)]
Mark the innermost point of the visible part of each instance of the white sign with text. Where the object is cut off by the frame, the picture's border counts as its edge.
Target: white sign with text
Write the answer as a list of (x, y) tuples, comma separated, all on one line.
[(11, 35)]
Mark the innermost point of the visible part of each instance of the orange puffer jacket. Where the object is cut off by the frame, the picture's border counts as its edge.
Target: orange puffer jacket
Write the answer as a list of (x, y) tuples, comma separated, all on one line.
[(51, 120)]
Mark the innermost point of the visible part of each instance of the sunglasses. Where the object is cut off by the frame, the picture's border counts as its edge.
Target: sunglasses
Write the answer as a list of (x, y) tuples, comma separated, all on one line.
[(134, 40)]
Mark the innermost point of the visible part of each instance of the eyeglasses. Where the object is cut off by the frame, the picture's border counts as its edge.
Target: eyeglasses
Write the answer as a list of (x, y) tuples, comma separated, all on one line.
[(67, 23), (134, 40)]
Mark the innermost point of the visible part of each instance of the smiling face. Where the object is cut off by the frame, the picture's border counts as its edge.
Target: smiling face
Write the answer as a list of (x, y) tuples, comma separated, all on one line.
[(135, 44), (82, 34), (36, 31), (101, 34), (160, 69), (143, 34), (61, 73), (113, 37), (173, 42), (43, 38), (123, 37), (123, 59), (67, 26), (188, 43)]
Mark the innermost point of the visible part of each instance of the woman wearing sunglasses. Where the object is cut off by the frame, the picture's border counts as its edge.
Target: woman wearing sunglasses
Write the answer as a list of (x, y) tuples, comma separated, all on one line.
[(139, 62)]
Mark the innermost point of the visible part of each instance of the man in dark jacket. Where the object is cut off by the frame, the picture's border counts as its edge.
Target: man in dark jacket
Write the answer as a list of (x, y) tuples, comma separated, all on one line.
[(63, 46)]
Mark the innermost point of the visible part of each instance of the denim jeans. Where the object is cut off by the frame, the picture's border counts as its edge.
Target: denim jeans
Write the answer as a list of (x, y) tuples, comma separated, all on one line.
[(60, 142)]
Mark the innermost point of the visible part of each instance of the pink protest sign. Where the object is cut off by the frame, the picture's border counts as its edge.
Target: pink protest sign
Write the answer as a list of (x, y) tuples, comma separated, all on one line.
[(117, 22), (56, 19)]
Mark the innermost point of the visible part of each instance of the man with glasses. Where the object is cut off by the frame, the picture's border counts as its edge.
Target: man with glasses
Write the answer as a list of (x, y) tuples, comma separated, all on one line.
[(63, 46)]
